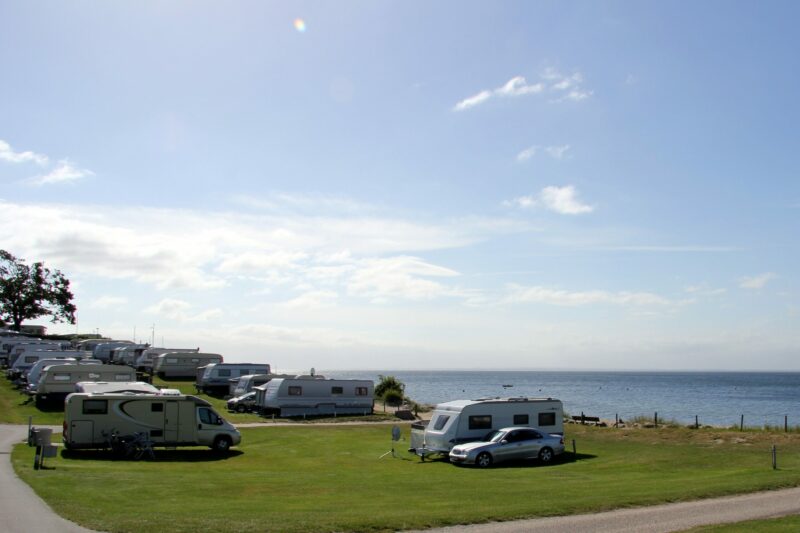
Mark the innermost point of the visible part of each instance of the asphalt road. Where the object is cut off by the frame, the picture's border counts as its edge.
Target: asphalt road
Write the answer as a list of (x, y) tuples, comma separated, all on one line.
[(22, 511)]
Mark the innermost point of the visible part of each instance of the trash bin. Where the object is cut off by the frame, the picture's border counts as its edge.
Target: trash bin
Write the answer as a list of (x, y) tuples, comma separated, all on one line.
[(42, 436)]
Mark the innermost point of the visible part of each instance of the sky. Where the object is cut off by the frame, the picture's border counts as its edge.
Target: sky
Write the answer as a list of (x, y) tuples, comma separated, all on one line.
[(413, 185)]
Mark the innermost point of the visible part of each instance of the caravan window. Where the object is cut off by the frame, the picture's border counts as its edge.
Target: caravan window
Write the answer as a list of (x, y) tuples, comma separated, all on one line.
[(122, 377), (480, 422), (361, 391), (547, 419), (95, 407), (31, 358), (521, 420), (244, 372), (337, 390), (172, 360), (157, 407), (295, 391), (61, 377), (195, 360), (224, 373), (441, 421)]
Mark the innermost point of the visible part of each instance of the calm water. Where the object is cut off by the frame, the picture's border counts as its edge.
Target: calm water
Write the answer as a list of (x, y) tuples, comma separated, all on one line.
[(718, 398)]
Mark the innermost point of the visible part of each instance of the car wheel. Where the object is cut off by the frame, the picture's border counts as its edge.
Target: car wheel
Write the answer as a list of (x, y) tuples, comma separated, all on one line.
[(484, 460), (545, 455), (241, 408), (221, 444)]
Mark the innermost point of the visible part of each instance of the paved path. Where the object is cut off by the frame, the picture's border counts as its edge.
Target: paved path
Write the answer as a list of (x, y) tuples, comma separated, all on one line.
[(654, 519), (21, 510)]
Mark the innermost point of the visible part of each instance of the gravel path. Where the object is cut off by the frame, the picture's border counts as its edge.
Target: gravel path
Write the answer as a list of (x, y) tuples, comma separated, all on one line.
[(655, 519), (22, 511)]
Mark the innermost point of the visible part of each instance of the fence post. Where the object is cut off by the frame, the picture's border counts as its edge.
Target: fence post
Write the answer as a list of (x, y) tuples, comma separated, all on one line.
[(696, 422), (583, 418), (774, 458), (786, 423), (616, 420), (741, 424), (573, 447), (655, 418)]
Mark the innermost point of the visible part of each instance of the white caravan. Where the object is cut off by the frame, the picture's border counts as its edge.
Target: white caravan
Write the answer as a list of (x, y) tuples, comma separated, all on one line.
[(28, 358), (106, 387), (469, 420), (315, 395), (19, 348), (182, 364), (168, 420), (127, 355), (144, 363), (103, 351), (58, 381), (36, 371), (215, 377), (247, 383)]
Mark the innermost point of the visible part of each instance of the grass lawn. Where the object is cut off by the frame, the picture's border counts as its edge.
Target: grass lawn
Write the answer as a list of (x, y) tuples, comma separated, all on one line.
[(787, 524), (309, 478)]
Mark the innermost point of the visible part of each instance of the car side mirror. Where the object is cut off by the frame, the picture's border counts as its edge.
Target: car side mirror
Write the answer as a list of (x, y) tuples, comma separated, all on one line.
[(503, 442)]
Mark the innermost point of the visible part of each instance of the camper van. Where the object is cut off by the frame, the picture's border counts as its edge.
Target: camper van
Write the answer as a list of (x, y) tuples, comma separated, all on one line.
[(247, 383), (315, 395), (182, 364), (58, 381), (107, 387), (168, 420), (469, 420), (215, 377), (144, 363)]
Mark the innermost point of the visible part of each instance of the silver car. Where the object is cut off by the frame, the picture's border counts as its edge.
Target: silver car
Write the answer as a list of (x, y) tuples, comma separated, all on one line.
[(508, 444)]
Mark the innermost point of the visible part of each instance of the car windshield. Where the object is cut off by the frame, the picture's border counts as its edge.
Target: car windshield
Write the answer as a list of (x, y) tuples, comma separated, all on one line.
[(495, 436)]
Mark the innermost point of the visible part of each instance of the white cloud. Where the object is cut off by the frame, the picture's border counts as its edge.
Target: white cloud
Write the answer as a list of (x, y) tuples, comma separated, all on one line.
[(314, 299), (756, 282), (704, 290), (179, 311), (108, 302), (556, 152), (562, 200), (545, 295), (9, 155), (565, 87), (398, 277), (65, 172)]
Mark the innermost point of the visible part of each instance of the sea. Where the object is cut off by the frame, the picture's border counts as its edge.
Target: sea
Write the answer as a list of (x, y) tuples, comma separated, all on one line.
[(724, 399)]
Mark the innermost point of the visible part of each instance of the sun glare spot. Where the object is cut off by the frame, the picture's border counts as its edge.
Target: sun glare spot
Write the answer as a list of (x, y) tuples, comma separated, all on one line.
[(300, 25)]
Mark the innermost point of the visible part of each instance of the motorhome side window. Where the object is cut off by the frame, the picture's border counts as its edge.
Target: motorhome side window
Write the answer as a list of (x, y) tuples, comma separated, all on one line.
[(361, 391), (441, 420), (157, 407), (547, 419), (295, 391), (520, 420), (337, 390), (480, 422), (224, 372), (95, 407)]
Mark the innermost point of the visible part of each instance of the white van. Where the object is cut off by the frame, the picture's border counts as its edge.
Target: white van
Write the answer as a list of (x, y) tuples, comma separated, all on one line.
[(215, 378), (469, 420), (167, 420), (144, 363)]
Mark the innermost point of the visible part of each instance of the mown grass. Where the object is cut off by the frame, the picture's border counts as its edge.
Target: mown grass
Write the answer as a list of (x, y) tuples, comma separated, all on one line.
[(787, 524), (331, 479)]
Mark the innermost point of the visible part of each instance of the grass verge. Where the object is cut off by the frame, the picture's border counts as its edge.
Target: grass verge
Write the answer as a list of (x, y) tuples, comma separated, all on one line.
[(294, 479)]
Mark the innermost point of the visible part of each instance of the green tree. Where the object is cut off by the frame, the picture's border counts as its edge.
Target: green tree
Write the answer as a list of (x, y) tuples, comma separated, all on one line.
[(30, 291), (389, 383)]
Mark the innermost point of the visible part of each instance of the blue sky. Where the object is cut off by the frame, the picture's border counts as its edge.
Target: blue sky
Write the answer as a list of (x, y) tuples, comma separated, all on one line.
[(593, 185)]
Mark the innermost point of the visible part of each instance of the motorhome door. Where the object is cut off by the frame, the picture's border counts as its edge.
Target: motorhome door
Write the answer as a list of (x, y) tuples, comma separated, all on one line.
[(171, 422)]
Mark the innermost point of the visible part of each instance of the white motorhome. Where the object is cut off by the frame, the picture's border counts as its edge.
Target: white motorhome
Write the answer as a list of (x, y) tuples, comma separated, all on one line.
[(182, 364), (215, 377), (144, 363), (107, 387), (58, 381), (168, 420), (469, 420), (103, 351), (315, 395)]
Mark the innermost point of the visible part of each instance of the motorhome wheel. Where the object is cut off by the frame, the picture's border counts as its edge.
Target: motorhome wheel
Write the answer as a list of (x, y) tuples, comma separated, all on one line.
[(221, 444)]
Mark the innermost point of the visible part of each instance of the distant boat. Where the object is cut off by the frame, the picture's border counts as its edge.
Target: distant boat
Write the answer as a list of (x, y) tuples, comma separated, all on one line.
[(507, 386)]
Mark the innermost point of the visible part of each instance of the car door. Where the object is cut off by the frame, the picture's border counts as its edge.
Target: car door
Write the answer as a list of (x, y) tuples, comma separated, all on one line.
[(509, 447), (531, 442)]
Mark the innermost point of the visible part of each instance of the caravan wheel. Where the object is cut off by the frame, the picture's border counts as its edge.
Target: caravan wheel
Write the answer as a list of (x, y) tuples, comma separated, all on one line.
[(222, 444)]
